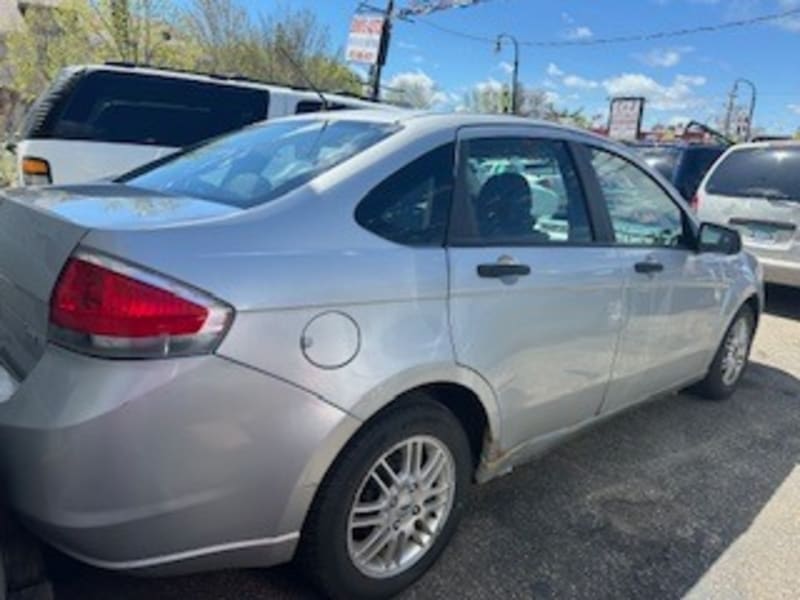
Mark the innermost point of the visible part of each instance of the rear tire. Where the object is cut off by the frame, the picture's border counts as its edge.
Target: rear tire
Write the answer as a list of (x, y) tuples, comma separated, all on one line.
[(413, 464), (731, 359)]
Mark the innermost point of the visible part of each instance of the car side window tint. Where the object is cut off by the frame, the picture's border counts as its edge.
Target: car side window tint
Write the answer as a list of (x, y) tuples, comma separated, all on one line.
[(522, 191), (412, 206), (642, 213)]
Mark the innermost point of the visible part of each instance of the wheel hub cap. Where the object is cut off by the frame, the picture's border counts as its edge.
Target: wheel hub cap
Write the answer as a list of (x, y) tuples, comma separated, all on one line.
[(401, 507)]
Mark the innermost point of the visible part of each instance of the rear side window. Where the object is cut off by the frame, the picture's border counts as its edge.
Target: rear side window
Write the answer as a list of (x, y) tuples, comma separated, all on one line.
[(412, 206), (663, 160), (146, 109), (261, 163), (312, 106), (772, 173)]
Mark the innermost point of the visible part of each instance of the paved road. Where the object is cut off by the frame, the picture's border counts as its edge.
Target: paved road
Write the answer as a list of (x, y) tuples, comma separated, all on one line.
[(643, 506)]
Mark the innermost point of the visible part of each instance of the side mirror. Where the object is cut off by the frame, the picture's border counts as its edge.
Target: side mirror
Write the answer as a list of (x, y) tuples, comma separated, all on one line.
[(718, 239)]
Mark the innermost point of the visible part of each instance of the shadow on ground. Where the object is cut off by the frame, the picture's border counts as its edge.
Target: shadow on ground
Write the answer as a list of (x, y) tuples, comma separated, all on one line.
[(640, 507), (783, 302)]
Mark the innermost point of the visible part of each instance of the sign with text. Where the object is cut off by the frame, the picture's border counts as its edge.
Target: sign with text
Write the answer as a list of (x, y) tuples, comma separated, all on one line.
[(364, 42), (625, 120)]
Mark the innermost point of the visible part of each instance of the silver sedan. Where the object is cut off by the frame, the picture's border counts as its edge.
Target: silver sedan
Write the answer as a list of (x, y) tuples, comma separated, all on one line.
[(308, 338)]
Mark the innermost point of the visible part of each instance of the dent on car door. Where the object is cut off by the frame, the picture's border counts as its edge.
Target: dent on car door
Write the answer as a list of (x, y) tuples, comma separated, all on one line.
[(673, 295), (534, 303)]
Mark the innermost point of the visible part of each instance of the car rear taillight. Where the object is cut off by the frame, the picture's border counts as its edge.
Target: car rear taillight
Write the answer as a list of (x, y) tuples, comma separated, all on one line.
[(105, 307), (694, 204)]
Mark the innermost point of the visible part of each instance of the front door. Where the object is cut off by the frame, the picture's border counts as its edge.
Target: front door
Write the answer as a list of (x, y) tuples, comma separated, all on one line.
[(673, 295), (535, 305)]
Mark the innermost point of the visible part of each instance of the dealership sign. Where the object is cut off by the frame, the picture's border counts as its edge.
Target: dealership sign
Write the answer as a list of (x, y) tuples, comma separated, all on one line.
[(625, 120), (364, 42)]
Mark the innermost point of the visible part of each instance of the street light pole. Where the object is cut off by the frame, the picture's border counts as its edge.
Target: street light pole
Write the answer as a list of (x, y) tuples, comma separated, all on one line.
[(515, 76)]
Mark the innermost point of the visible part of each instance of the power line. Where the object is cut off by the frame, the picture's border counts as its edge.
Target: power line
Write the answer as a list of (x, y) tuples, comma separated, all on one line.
[(621, 39)]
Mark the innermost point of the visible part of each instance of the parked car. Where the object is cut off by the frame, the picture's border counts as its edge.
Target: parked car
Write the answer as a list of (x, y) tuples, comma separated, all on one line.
[(684, 165), (306, 339), (99, 121), (756, 188)]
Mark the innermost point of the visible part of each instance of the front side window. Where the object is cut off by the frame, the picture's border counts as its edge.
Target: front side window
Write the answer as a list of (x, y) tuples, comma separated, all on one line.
[(642, 213), (260, 164), (522, 191), (772, 173), (412, 206)]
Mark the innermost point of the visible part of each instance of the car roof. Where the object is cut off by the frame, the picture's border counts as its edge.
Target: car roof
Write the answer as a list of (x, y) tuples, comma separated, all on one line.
[(448, 120), (767, 144)]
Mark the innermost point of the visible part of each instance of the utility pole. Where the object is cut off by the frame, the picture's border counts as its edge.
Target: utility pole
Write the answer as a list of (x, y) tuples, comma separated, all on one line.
[(732, 105), (383, 51), (515, 72)]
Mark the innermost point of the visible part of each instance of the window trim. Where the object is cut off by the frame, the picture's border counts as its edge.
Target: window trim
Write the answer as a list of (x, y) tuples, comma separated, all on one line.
[(690, 226), (461, 228)]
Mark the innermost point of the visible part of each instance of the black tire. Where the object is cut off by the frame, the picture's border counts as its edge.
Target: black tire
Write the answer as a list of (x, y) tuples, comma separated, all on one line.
[(323, 554), (22, 560), (713, 387)]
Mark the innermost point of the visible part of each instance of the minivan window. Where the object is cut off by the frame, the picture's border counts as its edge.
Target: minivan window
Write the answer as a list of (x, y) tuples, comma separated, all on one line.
[(147, 109), (261, 163), (663, 159), (772, 173)]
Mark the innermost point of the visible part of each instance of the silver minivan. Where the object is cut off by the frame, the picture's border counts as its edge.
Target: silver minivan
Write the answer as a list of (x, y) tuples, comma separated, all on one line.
[(756, 188), (308, 338)]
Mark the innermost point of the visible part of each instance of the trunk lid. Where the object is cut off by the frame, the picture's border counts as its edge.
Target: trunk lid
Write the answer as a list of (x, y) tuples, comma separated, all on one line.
[(39, 230), (768, 227), (34, 244)]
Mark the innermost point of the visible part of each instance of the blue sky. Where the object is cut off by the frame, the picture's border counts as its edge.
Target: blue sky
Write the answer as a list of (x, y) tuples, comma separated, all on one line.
[(686, 77)]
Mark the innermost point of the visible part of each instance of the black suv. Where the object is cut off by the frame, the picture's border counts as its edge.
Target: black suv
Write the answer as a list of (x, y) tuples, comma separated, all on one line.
[(684, 165)]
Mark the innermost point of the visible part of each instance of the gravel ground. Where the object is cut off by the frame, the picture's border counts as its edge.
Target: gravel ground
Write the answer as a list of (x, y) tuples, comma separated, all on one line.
[(645, 506)]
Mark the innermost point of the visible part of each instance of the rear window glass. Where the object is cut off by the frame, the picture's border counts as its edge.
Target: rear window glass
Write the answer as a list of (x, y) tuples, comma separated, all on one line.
[(146, 109), (261, 163), (662, 160), (772, 173)]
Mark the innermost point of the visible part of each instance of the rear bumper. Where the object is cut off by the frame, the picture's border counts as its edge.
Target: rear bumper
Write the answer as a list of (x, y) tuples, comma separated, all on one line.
[(781, 272), (164, 466)]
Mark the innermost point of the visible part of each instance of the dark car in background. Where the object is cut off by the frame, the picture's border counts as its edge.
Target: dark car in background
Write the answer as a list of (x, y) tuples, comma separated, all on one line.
[(684, 165)]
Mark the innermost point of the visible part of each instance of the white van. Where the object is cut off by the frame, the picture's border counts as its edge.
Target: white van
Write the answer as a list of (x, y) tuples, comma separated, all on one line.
[(99, 121)]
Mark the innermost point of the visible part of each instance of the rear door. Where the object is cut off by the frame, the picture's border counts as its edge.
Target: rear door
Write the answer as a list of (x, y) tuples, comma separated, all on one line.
[(673, 295), (535, 304), (105, 123)]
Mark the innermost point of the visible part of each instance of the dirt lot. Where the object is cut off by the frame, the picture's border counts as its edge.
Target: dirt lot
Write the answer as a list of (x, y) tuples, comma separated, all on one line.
[(645, 506)]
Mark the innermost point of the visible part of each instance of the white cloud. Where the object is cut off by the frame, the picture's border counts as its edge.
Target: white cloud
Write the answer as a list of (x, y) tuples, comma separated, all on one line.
[(506, 67), (795, 108), (416, 88), (418, 59), (579, 82), (554, 71), (678, 95), (579, 33), (407, 45), (557, 75), (789, 23), (664, 57)]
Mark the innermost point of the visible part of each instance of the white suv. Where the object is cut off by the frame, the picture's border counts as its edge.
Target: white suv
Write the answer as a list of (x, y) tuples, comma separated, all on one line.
[(98, 121), (756, 188)]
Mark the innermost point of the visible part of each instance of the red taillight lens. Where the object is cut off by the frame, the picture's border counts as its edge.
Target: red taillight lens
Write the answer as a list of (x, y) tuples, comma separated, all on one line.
[(102, 310), (92, 299)]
